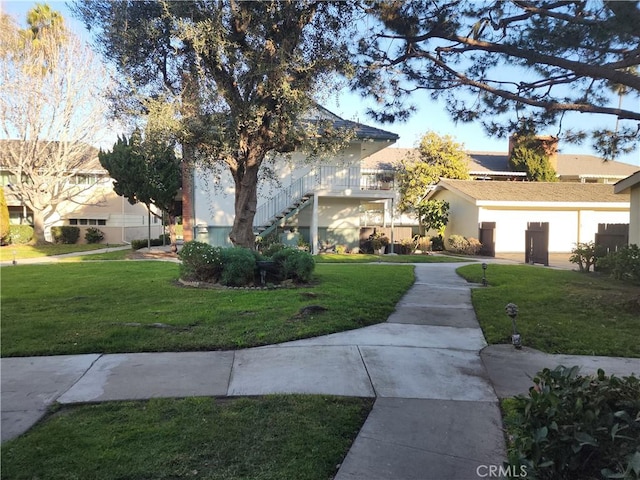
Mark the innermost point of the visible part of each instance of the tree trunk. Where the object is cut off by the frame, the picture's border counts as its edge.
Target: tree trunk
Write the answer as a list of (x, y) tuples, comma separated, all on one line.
[(38, 227), (172, 232), (246, 200), (187, 194)]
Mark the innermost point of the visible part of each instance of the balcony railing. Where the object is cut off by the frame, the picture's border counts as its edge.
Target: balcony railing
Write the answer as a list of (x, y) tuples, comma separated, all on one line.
[(321, 178)]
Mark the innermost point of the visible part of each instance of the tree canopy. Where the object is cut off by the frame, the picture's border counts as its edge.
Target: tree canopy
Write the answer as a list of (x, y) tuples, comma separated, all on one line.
[(437, 156), (516, 62), (529, 155), (145, 171), (240, 77), (50, 112)]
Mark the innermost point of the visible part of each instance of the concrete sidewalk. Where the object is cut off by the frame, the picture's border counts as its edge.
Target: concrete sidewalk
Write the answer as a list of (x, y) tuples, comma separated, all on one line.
[(435, 381)]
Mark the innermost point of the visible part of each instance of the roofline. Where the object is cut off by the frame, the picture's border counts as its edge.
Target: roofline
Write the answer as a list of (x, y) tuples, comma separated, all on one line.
[(555, 205), (627, 183)]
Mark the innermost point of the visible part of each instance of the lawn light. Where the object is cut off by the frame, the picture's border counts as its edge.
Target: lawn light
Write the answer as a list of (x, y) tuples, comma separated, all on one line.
[(15, 262), (484, 274), (512, 311)]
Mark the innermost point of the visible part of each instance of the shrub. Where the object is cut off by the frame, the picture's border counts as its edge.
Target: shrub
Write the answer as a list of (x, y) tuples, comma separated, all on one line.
[(238, 266), (155, 242), (458, 244), (623, 264), (66, 234), (295, 264), (585, 255), (273, 248), (200, 262), (474, 246), (437, 243), (20, 234), (93, 235), (576, 427), (5, 234)]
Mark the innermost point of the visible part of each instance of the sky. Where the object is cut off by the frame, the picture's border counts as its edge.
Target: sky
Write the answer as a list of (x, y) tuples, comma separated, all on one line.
[(430, 115)]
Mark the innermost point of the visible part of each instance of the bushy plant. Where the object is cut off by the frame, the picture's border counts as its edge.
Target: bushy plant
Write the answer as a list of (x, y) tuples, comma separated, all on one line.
[(574, 427), (200, 262), (155, 242), (93, 235), (66, 234), (238, 267), (272, 248), (5, 234), (460, 244), (20, 234), (623, 264), (457, 243), (294, 264), (474, 246), (585, 255), (437, 243)]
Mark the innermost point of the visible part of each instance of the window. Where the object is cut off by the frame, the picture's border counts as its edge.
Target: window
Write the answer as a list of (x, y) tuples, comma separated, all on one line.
[(87, 221)]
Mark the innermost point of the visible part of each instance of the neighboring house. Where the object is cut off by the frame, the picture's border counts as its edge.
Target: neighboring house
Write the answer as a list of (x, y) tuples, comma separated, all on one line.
[(569, 212), (326, 202), (94, 204), (631, 186), (495, 166)]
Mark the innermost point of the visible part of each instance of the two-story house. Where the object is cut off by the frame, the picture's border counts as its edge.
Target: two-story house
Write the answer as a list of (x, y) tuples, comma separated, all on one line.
[(326, 202), (88, 201)]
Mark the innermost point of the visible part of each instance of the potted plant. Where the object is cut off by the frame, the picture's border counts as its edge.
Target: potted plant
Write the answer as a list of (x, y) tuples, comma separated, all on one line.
[(379, 242)]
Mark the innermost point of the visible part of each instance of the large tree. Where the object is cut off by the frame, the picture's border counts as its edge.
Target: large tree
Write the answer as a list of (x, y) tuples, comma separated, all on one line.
[(50, 113), (503, 63), (241, 76)]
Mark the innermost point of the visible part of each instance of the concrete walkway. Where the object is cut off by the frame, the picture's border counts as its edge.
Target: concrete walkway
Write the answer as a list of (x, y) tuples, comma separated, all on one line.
[(435, 381)]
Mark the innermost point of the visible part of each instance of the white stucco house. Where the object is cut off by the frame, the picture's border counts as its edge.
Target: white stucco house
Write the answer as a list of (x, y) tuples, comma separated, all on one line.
[(326, 201), (572, 212), (631, 186)]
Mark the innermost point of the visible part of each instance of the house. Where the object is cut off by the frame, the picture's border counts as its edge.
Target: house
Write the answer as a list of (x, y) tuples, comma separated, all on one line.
[(91, 202), (495, 166), (328, 202), (631, 186), (501, 213)]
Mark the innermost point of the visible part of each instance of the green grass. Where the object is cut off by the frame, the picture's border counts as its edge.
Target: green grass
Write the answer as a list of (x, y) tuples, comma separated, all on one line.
[(115, 255), (560, 311), (21, 252), (109, 307), (369, 258), (294, 437)]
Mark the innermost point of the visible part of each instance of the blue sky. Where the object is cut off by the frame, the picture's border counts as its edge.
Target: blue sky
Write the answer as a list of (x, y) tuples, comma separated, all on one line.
[(431, 115)]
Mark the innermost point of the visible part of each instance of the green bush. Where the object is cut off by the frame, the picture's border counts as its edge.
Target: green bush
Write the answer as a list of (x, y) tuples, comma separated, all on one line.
[(238, 267), (20, 234), (93, 235), (294, 264), (575, 427), (457, 243), (155, 242), (623, 264), (585, 255), (200, 262), (66, 234)]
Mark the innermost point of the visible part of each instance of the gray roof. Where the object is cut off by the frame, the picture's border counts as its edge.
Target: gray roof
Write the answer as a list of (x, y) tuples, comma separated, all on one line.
[(569, 165), (497, 191)]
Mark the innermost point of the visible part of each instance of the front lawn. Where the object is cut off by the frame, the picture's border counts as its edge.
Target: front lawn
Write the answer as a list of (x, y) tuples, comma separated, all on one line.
[(20, 252), (370, 258), (279, 437), (114, 307), (559, 311)]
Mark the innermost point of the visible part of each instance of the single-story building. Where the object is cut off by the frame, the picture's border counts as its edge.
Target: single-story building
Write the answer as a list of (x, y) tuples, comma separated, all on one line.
[(631, 186), (570, 213)]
